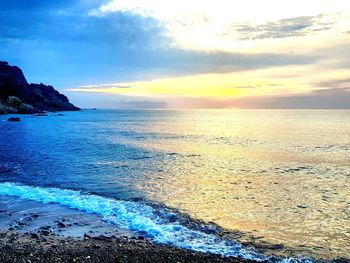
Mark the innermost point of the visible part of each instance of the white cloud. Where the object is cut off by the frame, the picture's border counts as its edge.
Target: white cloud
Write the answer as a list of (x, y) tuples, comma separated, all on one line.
[(207, 24)]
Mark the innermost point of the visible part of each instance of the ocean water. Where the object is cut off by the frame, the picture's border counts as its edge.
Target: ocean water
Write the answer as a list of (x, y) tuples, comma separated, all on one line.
[(277, 176)]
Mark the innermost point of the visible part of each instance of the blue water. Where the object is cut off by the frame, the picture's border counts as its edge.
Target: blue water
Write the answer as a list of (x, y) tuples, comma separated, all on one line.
[(69, 152), (226, 167)]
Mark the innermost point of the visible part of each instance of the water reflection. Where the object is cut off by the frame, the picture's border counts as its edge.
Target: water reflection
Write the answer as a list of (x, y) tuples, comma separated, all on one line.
[(267, 174)]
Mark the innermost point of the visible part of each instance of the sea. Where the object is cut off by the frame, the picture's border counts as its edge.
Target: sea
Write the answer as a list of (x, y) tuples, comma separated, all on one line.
[(269, 185)]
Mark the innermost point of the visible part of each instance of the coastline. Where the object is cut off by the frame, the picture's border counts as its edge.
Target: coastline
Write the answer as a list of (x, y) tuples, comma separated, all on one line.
[(38, 232), (28, 247)]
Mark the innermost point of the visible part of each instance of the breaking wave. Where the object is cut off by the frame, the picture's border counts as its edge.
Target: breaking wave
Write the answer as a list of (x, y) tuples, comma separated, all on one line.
[(140, 218)]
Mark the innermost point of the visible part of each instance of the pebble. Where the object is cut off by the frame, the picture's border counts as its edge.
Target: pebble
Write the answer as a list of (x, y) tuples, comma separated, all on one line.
[(34, 235), (302, 206), (45, 232)]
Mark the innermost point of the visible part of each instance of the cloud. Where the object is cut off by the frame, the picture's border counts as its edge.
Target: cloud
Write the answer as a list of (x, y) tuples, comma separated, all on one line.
[(283, 28), (76, 48), (245, 87), (120, 45), (85, 43), (227, 26), (319, 99), (52, 23), (338, 83), (338, 98), (172, 62), (218, 84), (22, 19), (106, 101), (106, 86), (256, 86), (141, 104)]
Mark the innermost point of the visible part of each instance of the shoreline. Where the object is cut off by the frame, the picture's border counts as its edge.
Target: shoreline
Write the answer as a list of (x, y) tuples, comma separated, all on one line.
[(31, 231), (31, 247), (35, 232)]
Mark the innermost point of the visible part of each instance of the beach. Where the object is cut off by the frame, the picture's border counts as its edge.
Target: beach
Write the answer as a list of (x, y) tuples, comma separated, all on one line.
[(20, 248), (34, 232)]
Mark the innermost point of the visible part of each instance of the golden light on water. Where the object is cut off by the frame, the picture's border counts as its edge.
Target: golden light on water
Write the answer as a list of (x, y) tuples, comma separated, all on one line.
[(260, 181)]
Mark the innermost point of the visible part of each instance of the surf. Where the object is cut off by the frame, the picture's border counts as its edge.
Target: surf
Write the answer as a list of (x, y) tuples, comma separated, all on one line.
[(141, 218)]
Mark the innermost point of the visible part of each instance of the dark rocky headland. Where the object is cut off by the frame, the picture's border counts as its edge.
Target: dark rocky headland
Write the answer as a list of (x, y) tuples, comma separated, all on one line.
[(18, 96)]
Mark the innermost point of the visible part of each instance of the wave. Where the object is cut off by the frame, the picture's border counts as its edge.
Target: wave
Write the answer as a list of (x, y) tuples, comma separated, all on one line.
[(141, 218)]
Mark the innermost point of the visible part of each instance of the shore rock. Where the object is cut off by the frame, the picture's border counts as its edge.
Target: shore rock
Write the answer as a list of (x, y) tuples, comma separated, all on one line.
[(18, 96), (61, 224), (41, 115), (13, 119)]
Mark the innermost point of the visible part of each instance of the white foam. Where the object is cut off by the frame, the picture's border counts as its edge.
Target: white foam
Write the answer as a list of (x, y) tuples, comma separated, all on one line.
[(136, 217)]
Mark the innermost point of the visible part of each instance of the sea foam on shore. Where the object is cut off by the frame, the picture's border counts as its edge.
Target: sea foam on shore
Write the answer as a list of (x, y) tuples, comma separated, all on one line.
[(138, 217)]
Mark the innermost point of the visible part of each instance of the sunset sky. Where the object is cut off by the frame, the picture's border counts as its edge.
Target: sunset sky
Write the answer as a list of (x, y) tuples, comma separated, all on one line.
[(183, 54)]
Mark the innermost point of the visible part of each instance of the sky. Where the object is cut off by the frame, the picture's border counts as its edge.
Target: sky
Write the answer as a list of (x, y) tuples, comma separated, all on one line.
[(183, 54)]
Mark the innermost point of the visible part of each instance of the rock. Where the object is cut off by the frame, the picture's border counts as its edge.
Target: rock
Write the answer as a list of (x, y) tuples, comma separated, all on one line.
[(341, 260), (45, 232), (61, 224), (14, 119), (34, 235), (18, 96), (102, 237), (28, 218), (41, 115), (302, 206)]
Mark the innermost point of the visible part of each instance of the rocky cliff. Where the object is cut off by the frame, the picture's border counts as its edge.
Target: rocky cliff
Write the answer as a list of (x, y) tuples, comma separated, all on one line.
[(18, 96)]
